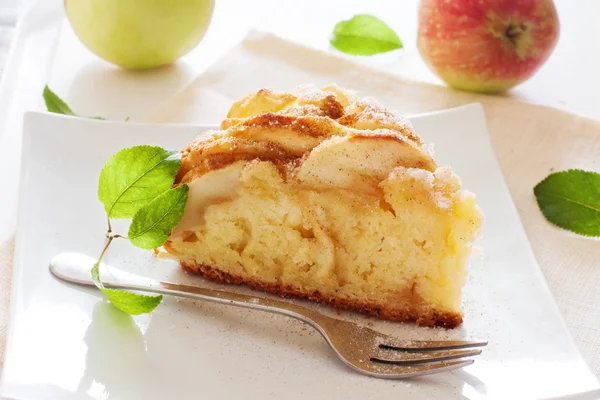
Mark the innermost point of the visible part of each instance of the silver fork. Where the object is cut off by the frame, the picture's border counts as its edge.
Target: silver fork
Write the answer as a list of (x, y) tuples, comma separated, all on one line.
[(359, 347)]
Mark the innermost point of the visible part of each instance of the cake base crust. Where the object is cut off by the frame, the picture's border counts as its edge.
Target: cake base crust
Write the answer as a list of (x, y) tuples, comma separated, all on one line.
[(422, 316)]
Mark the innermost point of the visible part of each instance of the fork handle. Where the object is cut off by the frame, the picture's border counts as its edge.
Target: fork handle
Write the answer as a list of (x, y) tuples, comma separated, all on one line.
[(75, 268)]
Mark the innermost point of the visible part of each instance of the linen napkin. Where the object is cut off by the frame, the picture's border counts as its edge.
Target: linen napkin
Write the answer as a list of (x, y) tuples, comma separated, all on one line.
[(530, 142)]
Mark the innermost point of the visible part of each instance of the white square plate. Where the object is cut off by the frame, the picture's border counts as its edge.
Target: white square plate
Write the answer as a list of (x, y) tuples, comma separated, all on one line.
[(67, 343)]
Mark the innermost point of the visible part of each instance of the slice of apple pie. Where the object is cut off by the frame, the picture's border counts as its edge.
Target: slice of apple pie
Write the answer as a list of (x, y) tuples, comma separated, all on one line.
[(320, 195)]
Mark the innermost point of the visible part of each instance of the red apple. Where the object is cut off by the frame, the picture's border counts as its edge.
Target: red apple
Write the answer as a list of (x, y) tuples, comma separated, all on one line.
[(486, 45)]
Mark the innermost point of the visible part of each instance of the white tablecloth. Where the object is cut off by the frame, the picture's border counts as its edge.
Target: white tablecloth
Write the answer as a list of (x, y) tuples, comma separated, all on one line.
[(569, 262), (7, 27)]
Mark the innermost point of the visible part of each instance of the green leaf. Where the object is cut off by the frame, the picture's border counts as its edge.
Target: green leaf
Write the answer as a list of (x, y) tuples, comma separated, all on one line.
[(153, 223), (55, 104), (133, 177), (135, 183), (364, 35), (96, 275), (129, 302), (571, 200), (132, 303)]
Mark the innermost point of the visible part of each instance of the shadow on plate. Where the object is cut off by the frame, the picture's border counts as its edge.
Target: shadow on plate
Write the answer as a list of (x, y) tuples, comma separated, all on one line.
[(120, 361)]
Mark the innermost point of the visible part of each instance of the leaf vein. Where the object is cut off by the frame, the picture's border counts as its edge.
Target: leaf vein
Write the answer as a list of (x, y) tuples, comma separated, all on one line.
[(344, 35), (136, 200), (571, 201), (132, 183)]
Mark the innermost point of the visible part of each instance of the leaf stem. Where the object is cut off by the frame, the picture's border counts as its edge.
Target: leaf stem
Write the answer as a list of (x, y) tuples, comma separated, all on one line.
[(111, 235), (108, 242)]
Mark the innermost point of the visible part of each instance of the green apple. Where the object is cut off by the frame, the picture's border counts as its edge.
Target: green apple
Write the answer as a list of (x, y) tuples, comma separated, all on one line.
[(140, 34)]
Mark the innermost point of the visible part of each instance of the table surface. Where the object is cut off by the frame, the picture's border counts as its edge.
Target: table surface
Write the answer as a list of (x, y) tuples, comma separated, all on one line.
[(569, 80)]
